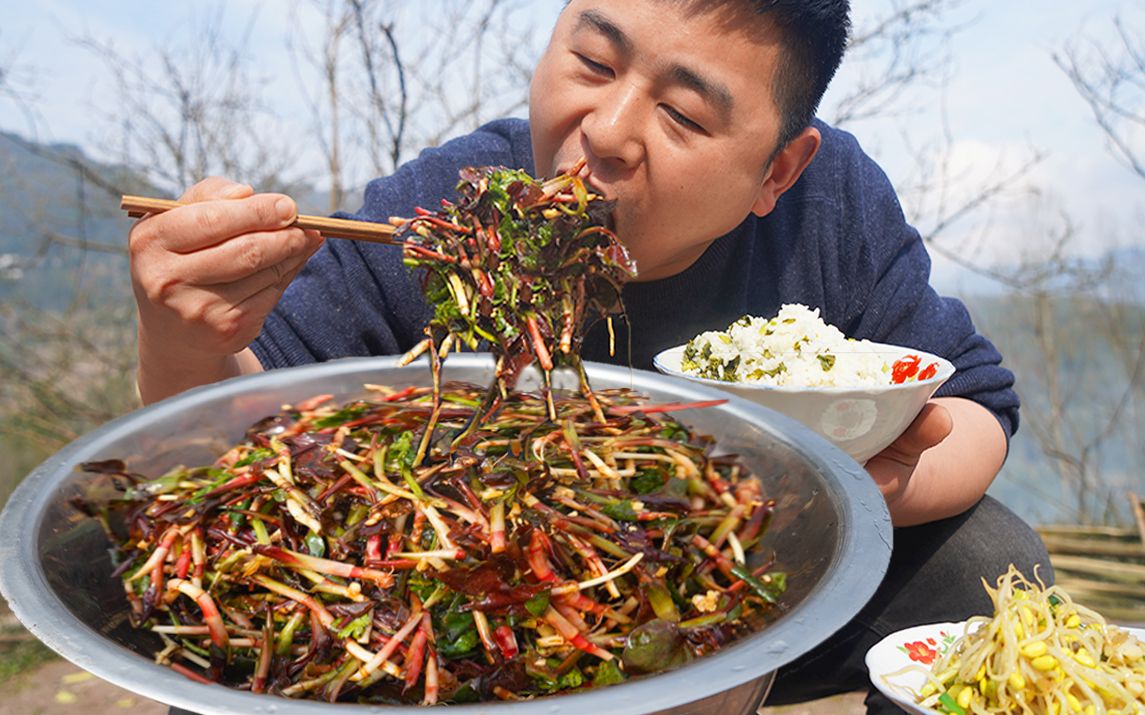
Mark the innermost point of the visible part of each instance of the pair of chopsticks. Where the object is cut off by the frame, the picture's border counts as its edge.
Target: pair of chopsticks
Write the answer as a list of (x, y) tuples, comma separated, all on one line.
[(137, 206)]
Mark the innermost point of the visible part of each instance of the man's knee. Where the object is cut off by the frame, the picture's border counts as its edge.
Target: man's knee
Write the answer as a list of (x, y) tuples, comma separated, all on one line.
[(937, 570), (993, 538)]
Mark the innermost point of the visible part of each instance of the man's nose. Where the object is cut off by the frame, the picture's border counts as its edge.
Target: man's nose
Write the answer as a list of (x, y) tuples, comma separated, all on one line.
[(614, 129)]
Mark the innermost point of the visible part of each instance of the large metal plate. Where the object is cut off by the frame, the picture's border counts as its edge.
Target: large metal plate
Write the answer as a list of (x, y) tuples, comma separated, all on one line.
[(831, 533)]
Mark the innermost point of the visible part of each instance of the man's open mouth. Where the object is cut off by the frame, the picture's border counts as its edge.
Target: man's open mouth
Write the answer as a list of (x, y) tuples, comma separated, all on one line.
[(585, 174)]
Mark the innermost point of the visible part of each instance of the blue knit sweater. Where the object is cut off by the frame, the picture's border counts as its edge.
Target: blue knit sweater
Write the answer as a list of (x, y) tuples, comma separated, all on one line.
[(837, 240)]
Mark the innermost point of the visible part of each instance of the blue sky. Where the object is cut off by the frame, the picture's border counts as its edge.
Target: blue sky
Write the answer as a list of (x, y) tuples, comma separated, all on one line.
[(1005, 99)]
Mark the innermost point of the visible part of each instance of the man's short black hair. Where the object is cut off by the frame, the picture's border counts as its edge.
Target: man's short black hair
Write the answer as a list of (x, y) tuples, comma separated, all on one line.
[(814, 35)]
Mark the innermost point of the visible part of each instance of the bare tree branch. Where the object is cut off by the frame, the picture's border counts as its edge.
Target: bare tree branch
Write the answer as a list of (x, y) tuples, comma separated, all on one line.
[(395, 125), (186, 111), (898, 52), (17, 82), (415, 79), (83, 244), (398, 134), (1112, 83)]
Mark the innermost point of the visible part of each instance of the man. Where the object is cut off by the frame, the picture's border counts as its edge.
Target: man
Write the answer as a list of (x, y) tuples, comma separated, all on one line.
[(696, 116)]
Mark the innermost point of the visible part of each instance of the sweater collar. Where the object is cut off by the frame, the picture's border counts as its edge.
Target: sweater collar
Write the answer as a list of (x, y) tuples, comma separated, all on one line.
[(692, 290)]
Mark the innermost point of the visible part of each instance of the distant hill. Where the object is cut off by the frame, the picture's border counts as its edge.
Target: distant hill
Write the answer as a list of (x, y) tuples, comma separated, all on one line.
[(54, 199), (53, 196), (43, 189)]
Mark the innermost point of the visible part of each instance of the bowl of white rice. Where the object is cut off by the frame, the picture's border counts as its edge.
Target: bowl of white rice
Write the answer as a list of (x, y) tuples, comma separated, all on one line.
[(858, 394)]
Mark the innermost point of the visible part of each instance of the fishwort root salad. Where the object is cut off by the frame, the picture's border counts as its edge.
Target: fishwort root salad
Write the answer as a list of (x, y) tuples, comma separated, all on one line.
[(316, 560), (457, 543), (520, 264)]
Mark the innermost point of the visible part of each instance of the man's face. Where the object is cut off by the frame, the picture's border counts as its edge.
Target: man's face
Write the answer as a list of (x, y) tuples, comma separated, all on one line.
[(673, 113)]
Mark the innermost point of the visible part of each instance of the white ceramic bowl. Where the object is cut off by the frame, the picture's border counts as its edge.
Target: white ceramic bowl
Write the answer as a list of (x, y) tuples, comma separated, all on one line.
[(861, 421)]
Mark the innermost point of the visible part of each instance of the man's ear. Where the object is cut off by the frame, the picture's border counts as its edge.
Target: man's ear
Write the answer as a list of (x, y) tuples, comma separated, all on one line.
[(786, 167)]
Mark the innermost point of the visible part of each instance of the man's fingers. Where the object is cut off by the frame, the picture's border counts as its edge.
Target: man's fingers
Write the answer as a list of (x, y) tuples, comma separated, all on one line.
[(243, 256), (232, 313), (316, 240), (208, 293), (216, 187), (201, 225), (275, 277), (235, 292), (239, 318)]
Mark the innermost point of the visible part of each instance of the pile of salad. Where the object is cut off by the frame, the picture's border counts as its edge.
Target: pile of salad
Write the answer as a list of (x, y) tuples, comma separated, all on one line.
[(521, 265), (316, 559)]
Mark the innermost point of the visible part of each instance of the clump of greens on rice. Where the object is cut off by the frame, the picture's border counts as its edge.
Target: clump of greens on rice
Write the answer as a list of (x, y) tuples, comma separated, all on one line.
[(795, 348)]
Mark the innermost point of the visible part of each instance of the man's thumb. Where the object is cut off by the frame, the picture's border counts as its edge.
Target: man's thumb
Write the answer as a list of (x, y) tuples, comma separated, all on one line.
[(932, 425)]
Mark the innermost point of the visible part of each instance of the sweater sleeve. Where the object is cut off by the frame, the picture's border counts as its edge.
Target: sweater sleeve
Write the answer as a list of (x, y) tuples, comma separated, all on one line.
[(891, 299), (355, 298)]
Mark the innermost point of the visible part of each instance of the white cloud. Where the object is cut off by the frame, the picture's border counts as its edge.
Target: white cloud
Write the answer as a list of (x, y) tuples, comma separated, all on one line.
[(1085, 192), (1004, 102)]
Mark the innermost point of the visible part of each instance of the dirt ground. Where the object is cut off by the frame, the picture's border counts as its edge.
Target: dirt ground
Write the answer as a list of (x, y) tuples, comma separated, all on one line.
[(60, 688)]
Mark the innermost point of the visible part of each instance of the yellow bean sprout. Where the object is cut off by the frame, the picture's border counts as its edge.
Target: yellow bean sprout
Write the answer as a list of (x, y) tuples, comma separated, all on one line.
[(1040, 653)]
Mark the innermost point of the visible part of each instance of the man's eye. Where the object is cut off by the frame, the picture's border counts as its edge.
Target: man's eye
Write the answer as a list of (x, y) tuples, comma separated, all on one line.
[(682, 120), (594, 66)]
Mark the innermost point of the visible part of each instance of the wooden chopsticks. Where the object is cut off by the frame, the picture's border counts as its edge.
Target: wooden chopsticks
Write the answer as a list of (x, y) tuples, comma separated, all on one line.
[(137, 206)]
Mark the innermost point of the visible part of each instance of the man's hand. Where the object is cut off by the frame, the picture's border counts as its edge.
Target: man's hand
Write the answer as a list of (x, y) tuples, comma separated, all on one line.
[(893, 467), (942, 464), (205, 277)]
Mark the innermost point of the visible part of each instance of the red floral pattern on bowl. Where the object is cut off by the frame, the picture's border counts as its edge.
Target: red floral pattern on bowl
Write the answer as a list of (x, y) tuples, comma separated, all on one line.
[(927, 651)]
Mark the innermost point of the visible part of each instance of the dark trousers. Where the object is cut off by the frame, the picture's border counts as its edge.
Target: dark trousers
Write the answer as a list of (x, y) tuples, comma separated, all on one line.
[(935, 575)]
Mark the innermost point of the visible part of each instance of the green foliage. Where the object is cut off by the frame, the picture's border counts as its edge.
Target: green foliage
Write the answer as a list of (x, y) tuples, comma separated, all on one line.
[(342, 416), (607, 673), (621, 510), (647, 481), (355, 628), (23, 655), (66, 373), (567, 681), (455, 631), (538, 604)]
